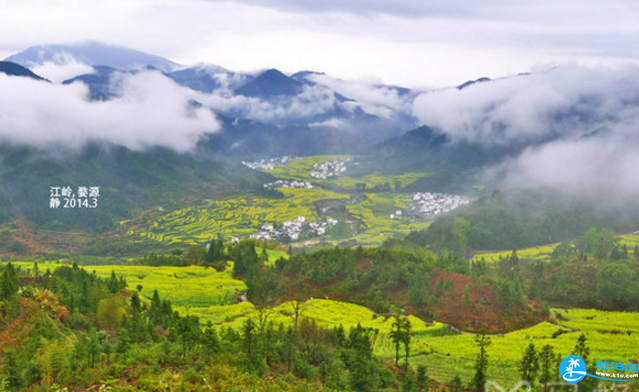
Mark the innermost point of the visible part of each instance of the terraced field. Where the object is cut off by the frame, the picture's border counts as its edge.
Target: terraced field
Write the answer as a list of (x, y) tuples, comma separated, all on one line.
[(242, 216), (375, 213), (238, 217)]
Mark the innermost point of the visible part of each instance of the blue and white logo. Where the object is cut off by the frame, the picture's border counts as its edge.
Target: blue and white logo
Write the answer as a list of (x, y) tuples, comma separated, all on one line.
[(572, 369)]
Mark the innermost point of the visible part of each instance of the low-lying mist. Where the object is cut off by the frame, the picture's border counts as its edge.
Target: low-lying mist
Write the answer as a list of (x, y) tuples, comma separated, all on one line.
[(579, 127)]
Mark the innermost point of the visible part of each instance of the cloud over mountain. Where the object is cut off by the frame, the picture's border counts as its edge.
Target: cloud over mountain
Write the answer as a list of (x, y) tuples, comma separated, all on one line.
[(149, 110), (580, 125)]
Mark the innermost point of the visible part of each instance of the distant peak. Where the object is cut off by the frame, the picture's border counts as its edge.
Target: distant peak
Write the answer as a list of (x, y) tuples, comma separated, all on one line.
[(13, 69), (269, 83), (471, 82)]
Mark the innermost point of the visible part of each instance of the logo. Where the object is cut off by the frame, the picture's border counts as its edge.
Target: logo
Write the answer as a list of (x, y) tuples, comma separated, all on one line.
[(572, 369)]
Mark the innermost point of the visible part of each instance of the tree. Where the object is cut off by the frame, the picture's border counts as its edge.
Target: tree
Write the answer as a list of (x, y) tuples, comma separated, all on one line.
[(93, 347), (514, 258), (188, 330), (396, 337), (448, 233), (481, 363), (598, 243), (215, 254), (422, 379), (210, 339), (248, 335), (547, 368), (113, 284), (581, 349), (297, 312), (110, 312), (196, 255), (406, 340), (529, 364), (616, 284), (12, 374), (9, 283), (245, 257), (456, 384), (311, 337)]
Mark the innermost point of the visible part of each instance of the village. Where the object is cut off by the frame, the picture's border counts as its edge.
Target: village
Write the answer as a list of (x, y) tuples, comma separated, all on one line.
[(269, 164), (330, 169), (294, 229), (289, 184), (429, 204)]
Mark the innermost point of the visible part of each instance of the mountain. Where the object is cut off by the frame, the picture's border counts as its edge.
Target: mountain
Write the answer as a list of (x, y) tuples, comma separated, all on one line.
[(270, 83), (91, 53), (471, 82), (452, 167), (98, 82), (13, 69), (208, 78), (129, 180)]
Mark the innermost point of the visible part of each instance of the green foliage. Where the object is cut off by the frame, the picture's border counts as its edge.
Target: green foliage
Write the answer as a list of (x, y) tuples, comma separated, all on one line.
[(617, 286), (529, 364), (9, 283), (481, 363), (546, 366), (599, 243), (525, 218), (447, 233)]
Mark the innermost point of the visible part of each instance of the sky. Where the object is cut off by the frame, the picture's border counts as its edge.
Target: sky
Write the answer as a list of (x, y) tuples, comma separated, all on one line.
[(413, 43)]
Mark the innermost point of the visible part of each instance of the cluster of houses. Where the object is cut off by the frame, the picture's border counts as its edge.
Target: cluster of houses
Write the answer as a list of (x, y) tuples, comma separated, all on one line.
[(330, 168), (269, 164), (429, 204), (289, 184), (294, 229)]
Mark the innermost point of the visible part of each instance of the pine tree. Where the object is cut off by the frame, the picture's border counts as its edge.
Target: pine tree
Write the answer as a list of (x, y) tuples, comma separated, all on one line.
[(248, 335), (406, 341), (12, 373), (210, 339), (547, 368), (529, 364), (581, 349), (396, 337), (456, 384), (481, 364), (422, 379), (9, 283)]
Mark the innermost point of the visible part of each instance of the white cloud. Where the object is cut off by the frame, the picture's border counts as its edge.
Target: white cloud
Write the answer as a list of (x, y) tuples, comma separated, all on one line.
[(435, 43), (581, 126), (312, 101), (371, 96), (59, 71), (557, 102), (605, 166), (151, 110)]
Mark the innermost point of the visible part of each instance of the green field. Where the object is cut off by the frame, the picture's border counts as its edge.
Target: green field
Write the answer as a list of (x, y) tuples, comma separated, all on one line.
[(192, 287), (211, 295), (541, 252)]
